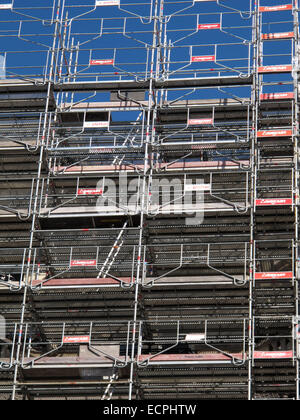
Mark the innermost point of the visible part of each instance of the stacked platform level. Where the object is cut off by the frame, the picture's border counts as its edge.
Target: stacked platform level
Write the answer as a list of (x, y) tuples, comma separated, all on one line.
[(149, 200)]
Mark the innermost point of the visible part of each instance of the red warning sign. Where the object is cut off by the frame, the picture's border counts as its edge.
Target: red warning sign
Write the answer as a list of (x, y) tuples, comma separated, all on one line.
[(275, 96), (89, 191), (274, 133), (273, 354), (203, 26), (279, 35), (276, 8), (203, 58), (105, 62), (285, 68), (275, 202), (274, 276)]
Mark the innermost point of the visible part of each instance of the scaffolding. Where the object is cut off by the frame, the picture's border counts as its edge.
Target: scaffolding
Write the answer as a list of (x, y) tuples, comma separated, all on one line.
[(149, 200)]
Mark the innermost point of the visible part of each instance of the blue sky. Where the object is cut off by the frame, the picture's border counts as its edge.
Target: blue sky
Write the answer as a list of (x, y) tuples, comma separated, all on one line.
[(113, 30)]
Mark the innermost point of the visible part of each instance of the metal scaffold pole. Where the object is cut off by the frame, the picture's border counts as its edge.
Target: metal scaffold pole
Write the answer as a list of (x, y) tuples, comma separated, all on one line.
[(144, 195), (296, 176), (44, 135)]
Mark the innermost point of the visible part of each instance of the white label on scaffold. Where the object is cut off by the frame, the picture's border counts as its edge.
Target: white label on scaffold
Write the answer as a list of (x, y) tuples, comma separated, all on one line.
[(102, 62), (96, 124), (83, 263), (6, 6), (198, 187), (89, 191), (78, 339), (201, 121), (195, 337), (107, 3)]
